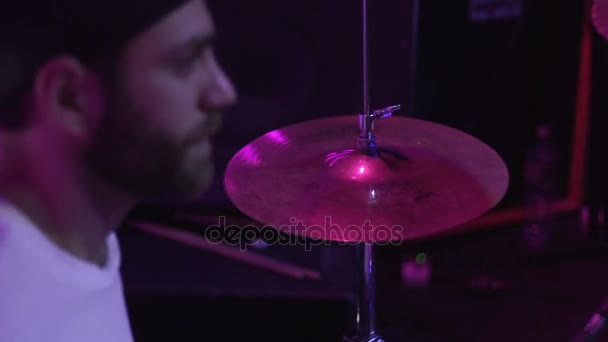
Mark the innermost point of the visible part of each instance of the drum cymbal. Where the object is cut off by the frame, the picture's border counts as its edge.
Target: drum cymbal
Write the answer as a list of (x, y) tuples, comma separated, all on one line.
[(307, 179)]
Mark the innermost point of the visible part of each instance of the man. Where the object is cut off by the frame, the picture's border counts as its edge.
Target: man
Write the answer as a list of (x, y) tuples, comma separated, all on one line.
[(103, 104)]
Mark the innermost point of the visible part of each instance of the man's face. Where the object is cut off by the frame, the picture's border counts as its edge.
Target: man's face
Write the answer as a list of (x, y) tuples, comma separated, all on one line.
[(154, 138)]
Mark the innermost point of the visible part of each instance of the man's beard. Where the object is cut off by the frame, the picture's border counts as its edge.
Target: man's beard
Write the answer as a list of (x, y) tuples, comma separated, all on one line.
[(137, 159)]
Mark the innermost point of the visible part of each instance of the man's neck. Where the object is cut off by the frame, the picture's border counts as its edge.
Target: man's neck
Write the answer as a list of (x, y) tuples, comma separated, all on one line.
[(75, 221)]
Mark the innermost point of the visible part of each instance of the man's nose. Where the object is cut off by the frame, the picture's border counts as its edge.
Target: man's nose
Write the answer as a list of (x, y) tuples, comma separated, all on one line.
[(220, 94)]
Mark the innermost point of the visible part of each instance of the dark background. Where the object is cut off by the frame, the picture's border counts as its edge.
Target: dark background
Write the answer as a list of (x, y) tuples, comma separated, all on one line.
[(294, 61), (497, 80)]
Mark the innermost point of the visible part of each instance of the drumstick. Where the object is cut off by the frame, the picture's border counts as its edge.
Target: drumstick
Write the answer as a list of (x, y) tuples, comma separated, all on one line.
[(207, 219), (228, 252)]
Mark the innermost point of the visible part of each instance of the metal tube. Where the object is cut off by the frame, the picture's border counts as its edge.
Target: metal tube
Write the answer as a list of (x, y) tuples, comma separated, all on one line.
[(366, 323), (367, 141), (366, 296), (366, 87)]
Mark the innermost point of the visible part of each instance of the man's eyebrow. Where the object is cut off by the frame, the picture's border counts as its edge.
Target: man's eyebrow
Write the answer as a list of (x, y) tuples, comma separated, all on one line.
[(193, 44)]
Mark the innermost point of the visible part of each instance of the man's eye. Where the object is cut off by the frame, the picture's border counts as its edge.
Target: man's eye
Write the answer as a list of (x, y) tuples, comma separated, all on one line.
[(186, 64)]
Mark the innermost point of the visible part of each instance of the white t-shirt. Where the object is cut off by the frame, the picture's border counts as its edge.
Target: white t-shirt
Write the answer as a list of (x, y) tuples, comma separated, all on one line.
[(48, 295)]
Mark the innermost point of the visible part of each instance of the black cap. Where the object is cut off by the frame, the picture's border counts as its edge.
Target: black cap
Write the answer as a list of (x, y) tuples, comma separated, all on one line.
[(32, 31)]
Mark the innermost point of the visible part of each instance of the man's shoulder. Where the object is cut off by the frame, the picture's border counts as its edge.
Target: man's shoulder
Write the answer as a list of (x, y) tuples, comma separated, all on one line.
[(44, 301)]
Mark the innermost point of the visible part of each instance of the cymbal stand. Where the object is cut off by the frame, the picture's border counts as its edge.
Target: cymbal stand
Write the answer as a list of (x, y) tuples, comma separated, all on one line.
[(365, 277), (367, 140)]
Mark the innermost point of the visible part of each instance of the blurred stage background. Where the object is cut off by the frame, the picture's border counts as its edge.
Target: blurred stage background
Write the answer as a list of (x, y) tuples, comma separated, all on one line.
[(496, 69)]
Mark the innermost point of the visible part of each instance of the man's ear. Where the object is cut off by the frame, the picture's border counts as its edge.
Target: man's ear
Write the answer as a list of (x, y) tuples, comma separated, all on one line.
[(67, 96)]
